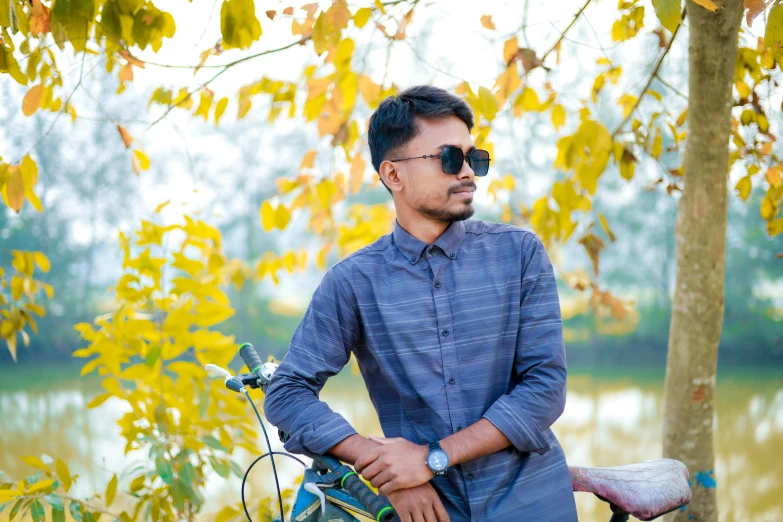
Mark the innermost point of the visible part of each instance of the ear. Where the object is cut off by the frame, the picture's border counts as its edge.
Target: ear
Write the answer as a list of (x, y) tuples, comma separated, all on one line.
[(390, 175)]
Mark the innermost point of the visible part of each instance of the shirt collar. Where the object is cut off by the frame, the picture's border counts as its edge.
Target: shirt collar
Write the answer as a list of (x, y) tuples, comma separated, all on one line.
[(412, 247)]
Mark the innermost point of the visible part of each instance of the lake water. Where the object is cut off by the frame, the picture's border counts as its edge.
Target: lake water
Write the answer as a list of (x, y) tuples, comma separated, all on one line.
[(610, 419)]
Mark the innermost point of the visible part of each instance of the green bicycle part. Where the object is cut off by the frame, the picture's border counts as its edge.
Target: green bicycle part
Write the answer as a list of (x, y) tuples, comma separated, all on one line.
[(381, 512), (342, 480)]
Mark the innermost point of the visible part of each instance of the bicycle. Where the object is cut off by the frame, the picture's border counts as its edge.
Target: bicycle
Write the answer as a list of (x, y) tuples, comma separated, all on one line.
[(333, 492)]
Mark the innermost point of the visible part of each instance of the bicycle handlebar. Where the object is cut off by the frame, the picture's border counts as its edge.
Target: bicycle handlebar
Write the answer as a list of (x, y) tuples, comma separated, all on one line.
[(378, 505)]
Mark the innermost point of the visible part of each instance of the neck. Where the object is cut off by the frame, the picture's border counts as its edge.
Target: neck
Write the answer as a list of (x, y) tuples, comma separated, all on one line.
[(422, 228)]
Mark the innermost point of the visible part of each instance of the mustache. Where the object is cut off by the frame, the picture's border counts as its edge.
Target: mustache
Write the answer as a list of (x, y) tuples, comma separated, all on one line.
[(469, 185)]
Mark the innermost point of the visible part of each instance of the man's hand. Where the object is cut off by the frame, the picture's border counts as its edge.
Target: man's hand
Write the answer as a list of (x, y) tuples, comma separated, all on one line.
[(418, 504), (395, 464)]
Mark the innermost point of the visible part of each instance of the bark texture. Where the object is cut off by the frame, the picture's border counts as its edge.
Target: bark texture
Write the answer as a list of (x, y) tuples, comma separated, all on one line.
[(700, 237)]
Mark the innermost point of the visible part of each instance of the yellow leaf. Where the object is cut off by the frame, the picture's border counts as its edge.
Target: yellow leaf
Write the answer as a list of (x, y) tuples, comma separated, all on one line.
[(605, 225), (35, 462), (308, 160), (774, 31), (282, 217), (40, 486), (209, 313), (139, 161), (775, 227), (162, 206), (29, 171), (707, 4), (97, 401), (238, 24), (284, 186), (267, 216), (358, 166), (657, 146), (558, 116), (361, 17), (32, 100), (510, 49), (743, 187), (220, 108), (775, 175), (42, 261), (488, 103), (13, 190), (529, 100), (63, 474), (226, 514), (111, 490), (289, 261), (486, 21)]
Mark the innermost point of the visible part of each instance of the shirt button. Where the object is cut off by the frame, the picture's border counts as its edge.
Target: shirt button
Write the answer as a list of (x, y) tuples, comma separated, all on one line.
[(437, 284), (432, 251), (470, 475), (452, 255), (445, 333), (451, 381), (459, 428), (413, 260)]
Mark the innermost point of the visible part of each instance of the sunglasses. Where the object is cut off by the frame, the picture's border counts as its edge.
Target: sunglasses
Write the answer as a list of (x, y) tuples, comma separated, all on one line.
[(451, 159)]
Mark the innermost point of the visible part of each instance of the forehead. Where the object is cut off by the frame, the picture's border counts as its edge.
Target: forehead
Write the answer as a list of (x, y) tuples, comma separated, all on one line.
[(435, 132)]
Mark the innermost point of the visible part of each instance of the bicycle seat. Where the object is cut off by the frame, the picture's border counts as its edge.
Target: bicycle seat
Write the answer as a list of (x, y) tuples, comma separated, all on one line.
[(645, 490)]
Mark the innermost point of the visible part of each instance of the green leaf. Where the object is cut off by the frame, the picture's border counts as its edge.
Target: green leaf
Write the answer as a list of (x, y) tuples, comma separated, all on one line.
[(238, 24), (58, 514), (220, 467), (54, 500), (774, 31), (163, 468), (237, 469), (76, 511), (37, 511), (669, 13), (152, 355), (16, 509), (212, 442)]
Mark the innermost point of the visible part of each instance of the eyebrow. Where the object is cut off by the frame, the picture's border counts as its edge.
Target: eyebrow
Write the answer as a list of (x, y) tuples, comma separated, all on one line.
[(440, 147)]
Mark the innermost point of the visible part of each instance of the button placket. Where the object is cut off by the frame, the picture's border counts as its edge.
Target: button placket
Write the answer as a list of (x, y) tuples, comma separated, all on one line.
[(439, 265)]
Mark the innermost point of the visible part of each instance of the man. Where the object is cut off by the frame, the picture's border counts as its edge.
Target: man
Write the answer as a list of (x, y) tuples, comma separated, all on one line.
[(455, 324)]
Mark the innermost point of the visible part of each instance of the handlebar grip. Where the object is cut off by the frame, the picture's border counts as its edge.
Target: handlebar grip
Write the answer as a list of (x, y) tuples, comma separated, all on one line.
[(250, 356), (378, 505)]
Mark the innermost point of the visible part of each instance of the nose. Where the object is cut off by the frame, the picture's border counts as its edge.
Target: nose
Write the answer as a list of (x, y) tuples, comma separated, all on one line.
[(466, 172)]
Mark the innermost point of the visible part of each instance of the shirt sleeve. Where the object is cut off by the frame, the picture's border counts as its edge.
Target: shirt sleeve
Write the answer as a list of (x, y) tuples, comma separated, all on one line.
[(538, 396), (320, 347)]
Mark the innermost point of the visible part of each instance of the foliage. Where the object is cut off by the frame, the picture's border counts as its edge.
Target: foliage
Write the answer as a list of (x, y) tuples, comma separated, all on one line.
[(18, 307)]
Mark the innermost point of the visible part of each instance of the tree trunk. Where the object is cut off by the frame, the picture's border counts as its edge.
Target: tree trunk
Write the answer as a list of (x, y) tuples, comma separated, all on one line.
[(700, 237)]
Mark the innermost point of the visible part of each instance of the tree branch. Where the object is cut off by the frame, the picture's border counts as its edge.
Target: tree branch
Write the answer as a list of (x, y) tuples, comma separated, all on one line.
[(653, 76), (224, 69)]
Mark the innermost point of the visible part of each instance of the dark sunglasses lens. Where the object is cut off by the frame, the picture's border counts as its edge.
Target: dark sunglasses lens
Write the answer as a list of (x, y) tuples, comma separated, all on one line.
[(452, 160), (479, 162)]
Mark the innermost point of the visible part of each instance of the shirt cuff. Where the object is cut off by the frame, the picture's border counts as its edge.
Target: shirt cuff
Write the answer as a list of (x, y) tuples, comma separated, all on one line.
[(321, 435), (517, 425)]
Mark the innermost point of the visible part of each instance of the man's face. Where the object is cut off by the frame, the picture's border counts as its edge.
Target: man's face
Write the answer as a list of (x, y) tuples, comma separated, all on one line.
[(421, 184)]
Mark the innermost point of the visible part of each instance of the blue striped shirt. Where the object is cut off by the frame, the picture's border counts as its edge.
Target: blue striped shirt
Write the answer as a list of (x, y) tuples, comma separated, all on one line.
[(443, 334)]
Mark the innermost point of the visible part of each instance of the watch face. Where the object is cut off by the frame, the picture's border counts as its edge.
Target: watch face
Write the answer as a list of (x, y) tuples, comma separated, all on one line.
[(437, 460)]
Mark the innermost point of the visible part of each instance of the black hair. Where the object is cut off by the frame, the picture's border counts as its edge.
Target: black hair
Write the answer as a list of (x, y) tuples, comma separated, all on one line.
[(393, 124)]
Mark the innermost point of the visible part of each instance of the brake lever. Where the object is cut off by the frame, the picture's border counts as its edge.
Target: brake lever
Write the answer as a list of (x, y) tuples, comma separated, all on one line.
[(231, 382)]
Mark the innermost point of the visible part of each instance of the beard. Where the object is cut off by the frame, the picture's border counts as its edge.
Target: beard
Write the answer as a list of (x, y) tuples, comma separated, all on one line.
[(447, 215)]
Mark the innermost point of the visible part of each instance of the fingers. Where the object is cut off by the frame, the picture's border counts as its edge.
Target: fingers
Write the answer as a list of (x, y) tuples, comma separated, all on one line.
[(371, 471), (440, 511), (429, 514), (418, 516)]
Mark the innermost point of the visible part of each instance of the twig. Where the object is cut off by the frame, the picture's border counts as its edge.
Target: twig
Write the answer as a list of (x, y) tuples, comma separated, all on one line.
[(225, 68), (649, 80), (673, 89), (65, 105)]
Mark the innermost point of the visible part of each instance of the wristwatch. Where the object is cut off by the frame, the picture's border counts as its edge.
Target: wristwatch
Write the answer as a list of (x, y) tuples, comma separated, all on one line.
[(437, 460)]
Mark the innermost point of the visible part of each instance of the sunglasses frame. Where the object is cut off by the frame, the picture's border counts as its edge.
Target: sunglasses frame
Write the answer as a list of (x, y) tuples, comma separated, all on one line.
[(464, 158)]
